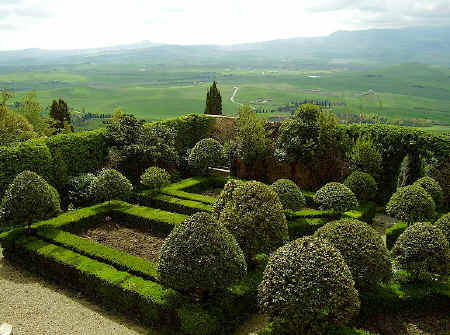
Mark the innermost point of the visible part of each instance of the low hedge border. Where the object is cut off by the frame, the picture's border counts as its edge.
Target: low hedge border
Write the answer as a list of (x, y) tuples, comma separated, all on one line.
[(184, 189), (150, 302), (304, 227), (365, 212), (310, 214), (393, 233), (172, 204)]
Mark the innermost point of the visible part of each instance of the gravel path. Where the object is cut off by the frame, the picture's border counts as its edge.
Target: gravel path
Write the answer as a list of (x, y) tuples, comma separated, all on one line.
[(36, 307)]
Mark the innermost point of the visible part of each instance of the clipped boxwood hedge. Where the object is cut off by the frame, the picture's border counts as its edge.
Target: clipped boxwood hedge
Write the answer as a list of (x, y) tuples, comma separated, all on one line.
[(393, 233)]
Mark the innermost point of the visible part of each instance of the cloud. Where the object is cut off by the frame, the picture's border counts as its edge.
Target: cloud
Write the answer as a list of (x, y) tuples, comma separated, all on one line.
[(6, 26)]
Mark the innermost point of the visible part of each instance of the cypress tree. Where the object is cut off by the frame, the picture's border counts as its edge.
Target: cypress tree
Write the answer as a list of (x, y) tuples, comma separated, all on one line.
[(213, 101), (59, 111)]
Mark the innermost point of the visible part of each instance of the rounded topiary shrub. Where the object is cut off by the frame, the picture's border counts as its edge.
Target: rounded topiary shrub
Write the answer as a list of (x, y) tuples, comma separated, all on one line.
[(155, 178), (432, 187), (411, 204), (226, 195), (336, 196), (200, 256), (110, 184), (422, 250), (444, 225), (363, 250), (78, 190), (255, 217), (290, 195), (29, 198), (308, 285), (206, 153), (362, 184)]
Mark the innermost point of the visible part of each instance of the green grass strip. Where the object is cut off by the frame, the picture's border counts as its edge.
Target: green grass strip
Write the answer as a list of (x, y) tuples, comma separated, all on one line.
[(172, 204), (148, 213), (117, 258), (176, 189)]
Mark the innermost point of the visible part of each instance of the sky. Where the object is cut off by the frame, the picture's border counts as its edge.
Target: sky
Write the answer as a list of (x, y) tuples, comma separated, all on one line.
[(76, 24)]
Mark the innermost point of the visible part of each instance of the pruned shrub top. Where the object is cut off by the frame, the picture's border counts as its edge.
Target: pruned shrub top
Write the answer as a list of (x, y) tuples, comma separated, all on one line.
[(362, 184), (432, 187), (444, 225), (200, 255), (155, 177), (29, 198), (255, 217), (362, 248), (110, 184), (422, 250), (226, 195), (308, 284), (206, 153), (336, 196), (78, 189), (289, 193), (411, 203)]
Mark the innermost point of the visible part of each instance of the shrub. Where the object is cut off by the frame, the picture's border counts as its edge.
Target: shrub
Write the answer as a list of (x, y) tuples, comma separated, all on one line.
[(78, 190), (363, 250), (155, 178), (200, 255), (308, 285), (411, 203), (255, 217), (336, 196), (422, 250), (206, 153), (444, 225), (289, 193), (110, 184), (29, 198), (365, 156), (432, 187), (362, 184), (226, 195)]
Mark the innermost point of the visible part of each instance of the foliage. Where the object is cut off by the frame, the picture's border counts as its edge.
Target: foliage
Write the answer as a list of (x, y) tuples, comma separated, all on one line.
[(362, 184), (365, 156), (363, 250), (251, 140), (155, 178), (423, 251), (394, 232), (336, 196), (206, 153), (29, 198), (59, 112), (255, 217), (200, 255), (213, 101), (110, 184), (411, 204), (289, 193), (440, 171), (78, 190), (31, 109), (308, 285), (432, 187), (444, 225), (226, 195)]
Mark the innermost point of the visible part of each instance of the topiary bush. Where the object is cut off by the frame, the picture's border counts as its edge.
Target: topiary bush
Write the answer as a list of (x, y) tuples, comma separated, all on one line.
[(155, 178), (206, 153), (29, 198), (422, 250), (365, 156), (308, 285), (110, 184), (444, 225), (363, 250), (336, 196), (255, 217), (78, 190), (411, 204), (432, 187), (289, 193), (226, 195), (362, 184), (201, 256)]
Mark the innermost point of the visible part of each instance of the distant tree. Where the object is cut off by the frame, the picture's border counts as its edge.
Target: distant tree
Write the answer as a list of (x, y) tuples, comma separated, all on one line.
[(31, 109), (213, 101), (59, 112)]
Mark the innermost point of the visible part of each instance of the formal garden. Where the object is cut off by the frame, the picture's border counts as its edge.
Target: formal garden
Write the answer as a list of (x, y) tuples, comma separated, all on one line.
[(195, 225)]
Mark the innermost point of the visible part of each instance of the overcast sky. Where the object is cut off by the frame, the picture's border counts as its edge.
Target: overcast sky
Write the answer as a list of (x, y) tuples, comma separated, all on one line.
[(70, 24)]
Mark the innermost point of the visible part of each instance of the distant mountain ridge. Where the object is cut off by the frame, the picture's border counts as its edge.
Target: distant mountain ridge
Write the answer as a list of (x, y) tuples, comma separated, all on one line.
[(424, 45)]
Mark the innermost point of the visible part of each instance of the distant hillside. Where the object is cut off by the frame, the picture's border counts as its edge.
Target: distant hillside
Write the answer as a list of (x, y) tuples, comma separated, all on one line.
[(369, 47)]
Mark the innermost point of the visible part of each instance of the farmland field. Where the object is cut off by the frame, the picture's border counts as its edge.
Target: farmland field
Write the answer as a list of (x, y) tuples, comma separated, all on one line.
[(409, 91)]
